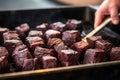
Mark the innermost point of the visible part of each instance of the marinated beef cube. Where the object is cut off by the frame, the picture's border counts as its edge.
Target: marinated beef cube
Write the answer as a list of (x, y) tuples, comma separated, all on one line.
[(33, 42), (73, 24), (49, 62), (10, 35), (11, 45), (37, 64), (59, 26), (68, 57), (53, 41), (3, 52), (52, 34), (94, 56), (60, 46), (91, 40), (80, 46), (22, 30), (104, 45), (30, 64), (115, 54), (20, 54), (43, 27), (71, 36), (40, 52), (34, 33), (3, 30), (4, 65)]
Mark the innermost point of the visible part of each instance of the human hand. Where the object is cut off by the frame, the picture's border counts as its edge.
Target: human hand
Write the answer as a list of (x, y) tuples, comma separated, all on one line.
[(108, 7)]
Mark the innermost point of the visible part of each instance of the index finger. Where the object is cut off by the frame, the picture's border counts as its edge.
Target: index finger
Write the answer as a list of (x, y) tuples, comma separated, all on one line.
[(99, 16)]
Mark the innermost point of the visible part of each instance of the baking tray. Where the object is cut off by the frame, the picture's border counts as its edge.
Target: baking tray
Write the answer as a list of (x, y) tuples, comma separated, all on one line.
[(99, 71)]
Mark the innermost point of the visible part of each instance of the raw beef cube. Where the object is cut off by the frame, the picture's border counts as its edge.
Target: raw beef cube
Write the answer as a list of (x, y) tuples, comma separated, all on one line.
[(80, 46), (59, 26), (33, 42), (3, 52), (49, 62), (11, 45), (68, 57), (115, 54), (71, 36), (40, 52), (52, 34), (94, 56), (22, 30), (34, 33), (20, 54), (43, 27), (73, 24), (53, 41), (91, 40), (30, 64), (4, 65), (3, 30), (10, 35)]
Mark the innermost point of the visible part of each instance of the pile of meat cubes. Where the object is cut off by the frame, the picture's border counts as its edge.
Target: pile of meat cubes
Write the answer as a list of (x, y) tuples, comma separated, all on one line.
[(51, 45)]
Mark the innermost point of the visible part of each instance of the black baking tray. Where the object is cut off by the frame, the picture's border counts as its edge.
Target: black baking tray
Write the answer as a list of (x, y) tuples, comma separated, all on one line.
[(99, 71)]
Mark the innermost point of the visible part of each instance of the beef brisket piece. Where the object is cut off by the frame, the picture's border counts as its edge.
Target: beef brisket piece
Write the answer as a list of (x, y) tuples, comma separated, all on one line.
[(40, 52), (104, 45), (20, 54), (60, 46), (2, 30), (11, 45), (3, 52), (81, 47), (68, 57), (43, 27), (52, 34), (92, 39), (49, 62), (33, 42), (115, 54), (34, 33), (73, 24), (59, 26), (53, 41), (71, 36), (94, 56), (10, 35), (4, 65), (30, 64), (22, 30)]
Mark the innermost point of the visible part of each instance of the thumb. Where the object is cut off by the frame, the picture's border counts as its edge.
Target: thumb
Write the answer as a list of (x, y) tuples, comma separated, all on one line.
[(114, 15)]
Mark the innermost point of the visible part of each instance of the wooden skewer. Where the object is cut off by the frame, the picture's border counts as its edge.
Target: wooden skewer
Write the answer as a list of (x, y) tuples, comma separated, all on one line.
[(101, 26)]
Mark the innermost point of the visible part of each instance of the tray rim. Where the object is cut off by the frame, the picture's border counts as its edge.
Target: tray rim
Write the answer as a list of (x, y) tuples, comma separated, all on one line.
[(59, 70)]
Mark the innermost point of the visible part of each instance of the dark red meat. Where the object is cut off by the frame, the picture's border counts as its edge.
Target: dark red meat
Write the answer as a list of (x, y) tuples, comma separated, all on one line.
[(22, 30), (71, 36), (94, 56)]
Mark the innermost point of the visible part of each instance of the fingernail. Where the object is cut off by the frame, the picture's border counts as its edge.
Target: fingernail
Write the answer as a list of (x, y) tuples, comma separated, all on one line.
[(115, 21)]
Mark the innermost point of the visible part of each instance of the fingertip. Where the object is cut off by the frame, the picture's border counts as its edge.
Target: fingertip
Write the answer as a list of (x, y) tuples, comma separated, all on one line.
[(114, 15)]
